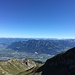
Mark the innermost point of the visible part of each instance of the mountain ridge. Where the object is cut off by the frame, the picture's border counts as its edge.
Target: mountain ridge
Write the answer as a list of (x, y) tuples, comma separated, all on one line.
[(61, 64), (14, 66), (52, 47)]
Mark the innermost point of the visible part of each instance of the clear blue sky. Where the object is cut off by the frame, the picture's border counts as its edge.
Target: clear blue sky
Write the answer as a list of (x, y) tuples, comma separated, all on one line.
[(37, 18)]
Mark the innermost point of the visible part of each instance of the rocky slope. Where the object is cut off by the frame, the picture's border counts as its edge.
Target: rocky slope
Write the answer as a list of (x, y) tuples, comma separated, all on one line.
[(15, 66)]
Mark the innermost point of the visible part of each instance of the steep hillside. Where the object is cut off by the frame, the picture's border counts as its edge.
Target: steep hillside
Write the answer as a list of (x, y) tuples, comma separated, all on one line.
[(30, 71), (61, 64), (15, 66), (42, 46)]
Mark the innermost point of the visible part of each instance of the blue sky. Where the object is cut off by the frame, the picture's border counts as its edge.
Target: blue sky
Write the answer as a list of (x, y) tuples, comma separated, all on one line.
[(37, 18)]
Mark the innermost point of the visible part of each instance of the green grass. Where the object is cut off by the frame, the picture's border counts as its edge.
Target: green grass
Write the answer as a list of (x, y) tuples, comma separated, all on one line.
[(30, 71), (17, 67), (12, 67)]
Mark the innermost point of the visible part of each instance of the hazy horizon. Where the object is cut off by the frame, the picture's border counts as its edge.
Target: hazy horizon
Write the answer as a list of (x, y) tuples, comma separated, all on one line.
[(35, 38)]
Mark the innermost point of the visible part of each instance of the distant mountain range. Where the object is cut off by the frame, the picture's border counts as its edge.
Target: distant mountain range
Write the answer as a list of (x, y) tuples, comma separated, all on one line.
[(37, 49), (8, 41), (47, 46)]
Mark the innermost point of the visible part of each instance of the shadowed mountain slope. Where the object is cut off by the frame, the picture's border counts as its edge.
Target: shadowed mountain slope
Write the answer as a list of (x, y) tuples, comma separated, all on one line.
[(61, 64)]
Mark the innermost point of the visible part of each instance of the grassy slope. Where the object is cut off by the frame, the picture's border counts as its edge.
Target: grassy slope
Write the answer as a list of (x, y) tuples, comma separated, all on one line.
[(12, 67), (30, 71)]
